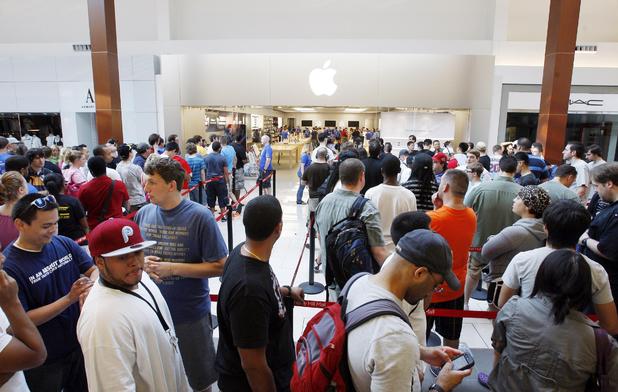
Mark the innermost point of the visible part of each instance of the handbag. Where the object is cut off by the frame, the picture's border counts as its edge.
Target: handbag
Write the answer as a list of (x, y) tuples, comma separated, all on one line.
[(600, 382), (493, 291)]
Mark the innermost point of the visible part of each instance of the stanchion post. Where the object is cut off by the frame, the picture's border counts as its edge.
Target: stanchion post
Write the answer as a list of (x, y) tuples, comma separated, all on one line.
[(261, 190), (312, 287), (200, 196), (230, 231), (274, 179), (233, 180)]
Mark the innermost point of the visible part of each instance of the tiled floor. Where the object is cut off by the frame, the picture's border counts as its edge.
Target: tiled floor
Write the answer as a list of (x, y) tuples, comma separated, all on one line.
[(476, 332)]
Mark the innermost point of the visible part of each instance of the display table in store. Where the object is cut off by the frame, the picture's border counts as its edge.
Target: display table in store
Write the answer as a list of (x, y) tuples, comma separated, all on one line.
[(291, 150)]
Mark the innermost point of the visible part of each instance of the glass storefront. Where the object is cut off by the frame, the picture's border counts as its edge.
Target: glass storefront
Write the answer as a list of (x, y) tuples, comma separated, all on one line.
[(587, 128)]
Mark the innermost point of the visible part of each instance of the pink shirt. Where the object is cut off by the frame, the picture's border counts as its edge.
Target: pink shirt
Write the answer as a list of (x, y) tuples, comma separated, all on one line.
[(8, 231), (73, 173)]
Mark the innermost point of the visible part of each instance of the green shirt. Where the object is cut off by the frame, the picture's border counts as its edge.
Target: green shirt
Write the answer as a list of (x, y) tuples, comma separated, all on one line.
[(492, 202), (335, 207)]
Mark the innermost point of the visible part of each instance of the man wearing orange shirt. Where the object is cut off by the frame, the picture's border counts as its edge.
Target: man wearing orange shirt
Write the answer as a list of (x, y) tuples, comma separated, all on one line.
[(457, 224)]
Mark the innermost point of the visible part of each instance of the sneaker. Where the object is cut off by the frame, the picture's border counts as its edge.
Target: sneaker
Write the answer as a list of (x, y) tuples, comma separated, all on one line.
[(483, 378), (302, 203)]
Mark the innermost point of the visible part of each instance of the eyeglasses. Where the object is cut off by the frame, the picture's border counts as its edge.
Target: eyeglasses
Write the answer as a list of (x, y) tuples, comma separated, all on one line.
[(436, 285), (42, 202)]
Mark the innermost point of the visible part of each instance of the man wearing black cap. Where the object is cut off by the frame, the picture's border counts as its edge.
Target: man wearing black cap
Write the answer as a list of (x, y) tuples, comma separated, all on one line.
[(386, 344), (125, 329)]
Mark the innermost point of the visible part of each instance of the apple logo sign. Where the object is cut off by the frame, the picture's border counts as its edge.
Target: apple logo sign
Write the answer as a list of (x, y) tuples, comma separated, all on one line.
[(321, 80)]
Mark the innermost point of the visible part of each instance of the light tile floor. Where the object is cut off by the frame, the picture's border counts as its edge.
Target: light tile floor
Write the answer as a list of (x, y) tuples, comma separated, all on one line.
[(476, 333)]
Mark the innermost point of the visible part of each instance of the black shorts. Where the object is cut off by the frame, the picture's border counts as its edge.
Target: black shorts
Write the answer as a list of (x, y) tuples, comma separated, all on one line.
[(448, 327), (264, 174)]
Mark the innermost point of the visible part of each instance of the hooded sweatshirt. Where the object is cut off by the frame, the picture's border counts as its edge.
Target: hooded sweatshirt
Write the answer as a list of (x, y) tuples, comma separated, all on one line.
[(525, 234)]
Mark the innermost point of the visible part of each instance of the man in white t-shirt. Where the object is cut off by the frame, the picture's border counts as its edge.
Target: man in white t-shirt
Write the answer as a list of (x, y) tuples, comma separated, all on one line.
[(105, 153), (594, 155), (383, 353), (125, 328), (565, 221), (24, 347), (322, 139), (390, 198), (574, 153)]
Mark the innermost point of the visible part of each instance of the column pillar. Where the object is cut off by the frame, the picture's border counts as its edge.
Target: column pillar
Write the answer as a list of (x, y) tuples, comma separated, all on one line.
[(557, 74), (102, 19)]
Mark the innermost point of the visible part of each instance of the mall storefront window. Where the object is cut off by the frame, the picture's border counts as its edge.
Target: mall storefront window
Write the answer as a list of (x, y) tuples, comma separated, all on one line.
[(587, 128), (17, 124)]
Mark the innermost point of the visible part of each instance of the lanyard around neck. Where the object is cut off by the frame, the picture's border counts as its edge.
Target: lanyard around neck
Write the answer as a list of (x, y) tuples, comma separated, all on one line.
[(154, 308)]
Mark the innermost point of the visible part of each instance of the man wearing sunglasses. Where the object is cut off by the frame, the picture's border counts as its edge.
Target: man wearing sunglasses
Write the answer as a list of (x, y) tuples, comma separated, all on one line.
[(48, 269)]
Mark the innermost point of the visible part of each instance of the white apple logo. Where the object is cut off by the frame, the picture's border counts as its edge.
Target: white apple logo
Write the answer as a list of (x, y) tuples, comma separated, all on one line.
[(321, 80)]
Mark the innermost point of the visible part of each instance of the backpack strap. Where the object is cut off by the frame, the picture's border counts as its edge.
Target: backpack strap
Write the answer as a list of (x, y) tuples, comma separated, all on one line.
[(358, 206), (343, 296), (371, 310), (106, 202)]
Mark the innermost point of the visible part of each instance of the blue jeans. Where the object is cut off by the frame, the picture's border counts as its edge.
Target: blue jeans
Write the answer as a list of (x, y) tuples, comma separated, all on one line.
[(299, 193)]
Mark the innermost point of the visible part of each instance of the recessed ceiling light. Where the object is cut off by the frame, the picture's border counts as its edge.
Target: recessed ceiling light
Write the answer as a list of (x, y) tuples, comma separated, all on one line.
[(304, 109), (354, 110)]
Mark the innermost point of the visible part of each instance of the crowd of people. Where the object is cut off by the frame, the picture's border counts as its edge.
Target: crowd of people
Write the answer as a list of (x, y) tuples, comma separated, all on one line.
[(100, 304)]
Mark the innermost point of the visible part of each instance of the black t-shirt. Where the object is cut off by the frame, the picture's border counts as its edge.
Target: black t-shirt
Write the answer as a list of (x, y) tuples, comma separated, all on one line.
[(241, 155), (373, 173), (485, 161), (53, 167), (251, 314), (604, 228), (315, 175), (70, 211)]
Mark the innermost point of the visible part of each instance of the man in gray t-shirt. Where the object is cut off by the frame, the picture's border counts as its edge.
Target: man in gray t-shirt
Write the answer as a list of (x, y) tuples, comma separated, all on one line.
[(336, 206), (189, 250)]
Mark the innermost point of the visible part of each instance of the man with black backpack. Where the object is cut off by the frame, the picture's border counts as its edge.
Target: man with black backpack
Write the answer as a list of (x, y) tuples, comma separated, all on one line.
[(362, 245)]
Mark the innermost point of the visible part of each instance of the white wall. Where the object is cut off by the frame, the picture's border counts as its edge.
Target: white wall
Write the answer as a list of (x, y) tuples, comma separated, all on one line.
[(59, 84)]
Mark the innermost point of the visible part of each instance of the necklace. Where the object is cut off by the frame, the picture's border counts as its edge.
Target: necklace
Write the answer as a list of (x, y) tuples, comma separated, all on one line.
[(251, 253)]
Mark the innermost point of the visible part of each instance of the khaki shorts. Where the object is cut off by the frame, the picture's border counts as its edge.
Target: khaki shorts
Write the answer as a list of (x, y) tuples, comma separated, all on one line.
[(475, 266)]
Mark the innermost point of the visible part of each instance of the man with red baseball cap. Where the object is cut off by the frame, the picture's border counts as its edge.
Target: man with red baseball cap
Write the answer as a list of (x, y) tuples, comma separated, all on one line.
[(125, 328), (439, 165)]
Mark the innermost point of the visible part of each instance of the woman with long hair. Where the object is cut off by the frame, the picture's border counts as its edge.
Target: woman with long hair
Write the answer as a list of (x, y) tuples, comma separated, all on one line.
[(422, 181), (545, 342), (13, 187), (71, 216)]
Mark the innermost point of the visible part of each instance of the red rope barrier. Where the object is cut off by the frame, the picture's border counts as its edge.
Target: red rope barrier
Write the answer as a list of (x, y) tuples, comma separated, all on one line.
[(302, 252), (224, 212), (478, 314), (194, 187)]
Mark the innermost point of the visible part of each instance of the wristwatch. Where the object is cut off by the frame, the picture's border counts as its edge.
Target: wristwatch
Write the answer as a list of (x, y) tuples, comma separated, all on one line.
[(436, 387)]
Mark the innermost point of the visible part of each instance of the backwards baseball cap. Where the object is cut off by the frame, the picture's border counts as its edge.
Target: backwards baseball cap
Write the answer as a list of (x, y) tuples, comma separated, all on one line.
[(142, 148), (116, 237), (427, 249), (440, 157)]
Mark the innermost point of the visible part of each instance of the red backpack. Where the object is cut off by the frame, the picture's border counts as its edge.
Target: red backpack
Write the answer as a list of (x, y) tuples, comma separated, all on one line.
[(321, 352)]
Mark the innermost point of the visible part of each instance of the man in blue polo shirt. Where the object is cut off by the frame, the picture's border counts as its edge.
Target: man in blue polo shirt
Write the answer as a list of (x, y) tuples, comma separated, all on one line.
[(216, 166), (266, 164), (535, 164), (189, 250), (47, 268)]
